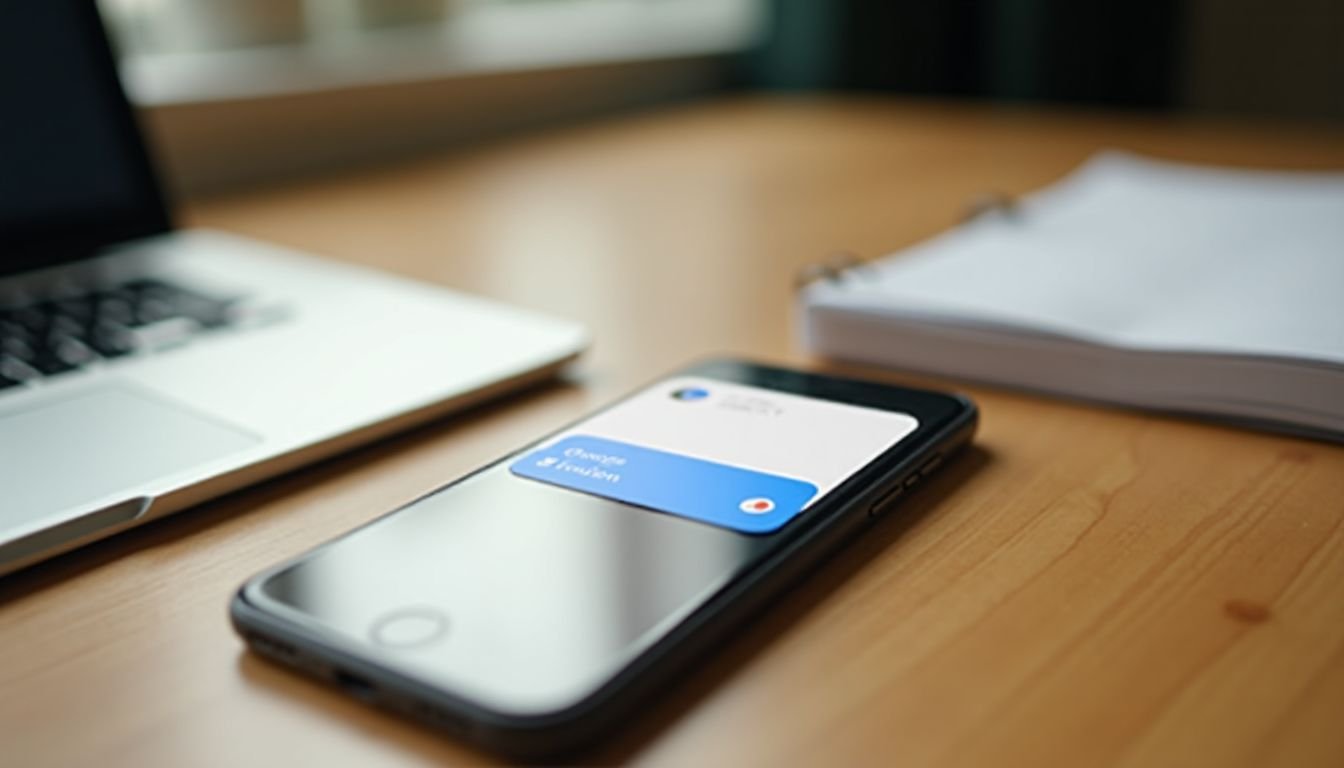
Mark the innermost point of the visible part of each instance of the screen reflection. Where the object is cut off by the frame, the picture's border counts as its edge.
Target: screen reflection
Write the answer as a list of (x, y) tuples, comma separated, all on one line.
[(542, 593)]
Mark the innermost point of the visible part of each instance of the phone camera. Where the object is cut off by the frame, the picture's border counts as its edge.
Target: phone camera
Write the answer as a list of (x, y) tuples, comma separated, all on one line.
[(690, 394)]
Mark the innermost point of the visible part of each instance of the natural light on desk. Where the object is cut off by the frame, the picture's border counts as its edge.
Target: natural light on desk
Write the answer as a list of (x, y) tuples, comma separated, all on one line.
[(417, 206)]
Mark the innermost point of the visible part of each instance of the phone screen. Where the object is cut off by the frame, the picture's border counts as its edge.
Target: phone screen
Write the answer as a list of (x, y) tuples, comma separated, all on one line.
[(737, 456), (528, 585)]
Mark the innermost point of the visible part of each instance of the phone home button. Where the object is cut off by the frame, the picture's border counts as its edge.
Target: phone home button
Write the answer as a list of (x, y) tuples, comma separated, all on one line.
[(411, 627)]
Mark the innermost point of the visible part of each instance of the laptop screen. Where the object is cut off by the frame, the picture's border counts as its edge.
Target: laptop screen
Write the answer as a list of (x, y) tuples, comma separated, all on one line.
[(74, 175)]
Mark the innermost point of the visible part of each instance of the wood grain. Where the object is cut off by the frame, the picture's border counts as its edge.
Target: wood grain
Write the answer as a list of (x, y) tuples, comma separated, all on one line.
[(1087, 587)]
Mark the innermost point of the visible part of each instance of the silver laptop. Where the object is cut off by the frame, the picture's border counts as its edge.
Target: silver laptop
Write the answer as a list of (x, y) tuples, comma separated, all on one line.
[(144, 369)]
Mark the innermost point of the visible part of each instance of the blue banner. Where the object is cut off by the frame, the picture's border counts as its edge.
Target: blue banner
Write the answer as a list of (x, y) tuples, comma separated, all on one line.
[(741, 499)]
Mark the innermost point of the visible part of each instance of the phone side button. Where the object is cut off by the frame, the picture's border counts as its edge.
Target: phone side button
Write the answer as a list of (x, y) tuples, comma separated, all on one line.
[(933, 463), (887, 500)]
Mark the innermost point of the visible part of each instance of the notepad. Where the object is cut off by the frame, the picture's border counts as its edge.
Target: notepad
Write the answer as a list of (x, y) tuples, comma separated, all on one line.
[(1209, 291)]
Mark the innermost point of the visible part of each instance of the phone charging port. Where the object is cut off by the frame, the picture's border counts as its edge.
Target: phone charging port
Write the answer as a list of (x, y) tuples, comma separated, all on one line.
[(355, 685)]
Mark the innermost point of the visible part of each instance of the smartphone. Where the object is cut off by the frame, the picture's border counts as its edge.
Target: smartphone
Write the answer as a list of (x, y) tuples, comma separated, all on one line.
[(531, 605)]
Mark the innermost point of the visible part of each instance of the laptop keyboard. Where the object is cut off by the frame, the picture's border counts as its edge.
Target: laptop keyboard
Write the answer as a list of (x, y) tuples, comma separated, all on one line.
[(52, 335)]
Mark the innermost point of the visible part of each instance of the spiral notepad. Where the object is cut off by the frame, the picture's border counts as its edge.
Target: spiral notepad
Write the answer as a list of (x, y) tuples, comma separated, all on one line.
[(1202, 290)]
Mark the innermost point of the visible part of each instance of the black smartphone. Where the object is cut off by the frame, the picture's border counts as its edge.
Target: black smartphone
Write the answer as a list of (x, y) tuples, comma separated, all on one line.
[(528, 606)]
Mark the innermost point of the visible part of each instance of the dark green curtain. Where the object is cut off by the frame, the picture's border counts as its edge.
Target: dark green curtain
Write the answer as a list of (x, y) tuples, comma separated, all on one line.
[(1039, 50)]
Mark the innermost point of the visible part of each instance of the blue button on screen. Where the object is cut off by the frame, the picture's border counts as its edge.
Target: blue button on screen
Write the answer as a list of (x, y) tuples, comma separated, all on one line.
[(741, 499)]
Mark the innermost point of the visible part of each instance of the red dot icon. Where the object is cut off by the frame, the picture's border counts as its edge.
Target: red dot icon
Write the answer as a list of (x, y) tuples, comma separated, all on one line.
[(757, 506)]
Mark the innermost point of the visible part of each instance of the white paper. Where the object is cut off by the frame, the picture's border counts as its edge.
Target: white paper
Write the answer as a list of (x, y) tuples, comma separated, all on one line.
[(1143, 254)]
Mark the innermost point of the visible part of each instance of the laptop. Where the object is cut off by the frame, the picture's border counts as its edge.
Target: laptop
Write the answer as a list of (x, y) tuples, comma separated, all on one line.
[(144, 368)]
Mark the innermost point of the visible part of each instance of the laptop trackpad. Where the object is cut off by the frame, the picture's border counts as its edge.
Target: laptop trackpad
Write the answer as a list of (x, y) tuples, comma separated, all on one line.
[(108, 439)]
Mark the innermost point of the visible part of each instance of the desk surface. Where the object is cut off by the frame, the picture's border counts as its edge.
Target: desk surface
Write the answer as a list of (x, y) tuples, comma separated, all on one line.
[(1089, 587)]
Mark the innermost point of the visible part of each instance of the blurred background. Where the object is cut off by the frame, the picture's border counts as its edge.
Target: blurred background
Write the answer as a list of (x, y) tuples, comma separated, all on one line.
[(243, 91)]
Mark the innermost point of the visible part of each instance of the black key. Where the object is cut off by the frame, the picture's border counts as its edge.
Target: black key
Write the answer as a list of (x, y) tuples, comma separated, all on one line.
[(210, 313), (73, 351), (52, 364), (153, 309), (207, 311), (13, 368), (17, 346), (32, 318), (5, 381), (60, 354), (114, 309), (111, 340), (80, 308), (60, 325)]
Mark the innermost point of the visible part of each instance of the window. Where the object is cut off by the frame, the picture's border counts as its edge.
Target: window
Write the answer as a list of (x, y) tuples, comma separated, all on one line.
[(178, 51)]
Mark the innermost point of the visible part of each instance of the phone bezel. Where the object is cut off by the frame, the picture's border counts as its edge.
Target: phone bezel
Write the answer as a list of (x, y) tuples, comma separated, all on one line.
[(946, 422)]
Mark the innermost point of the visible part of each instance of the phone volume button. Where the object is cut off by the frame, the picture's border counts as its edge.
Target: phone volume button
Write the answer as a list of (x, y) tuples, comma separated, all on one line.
[(932, 464), (886, 501)]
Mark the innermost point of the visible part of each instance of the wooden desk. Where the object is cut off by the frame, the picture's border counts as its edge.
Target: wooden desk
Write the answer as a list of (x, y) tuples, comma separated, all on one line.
[(1089, 587)]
